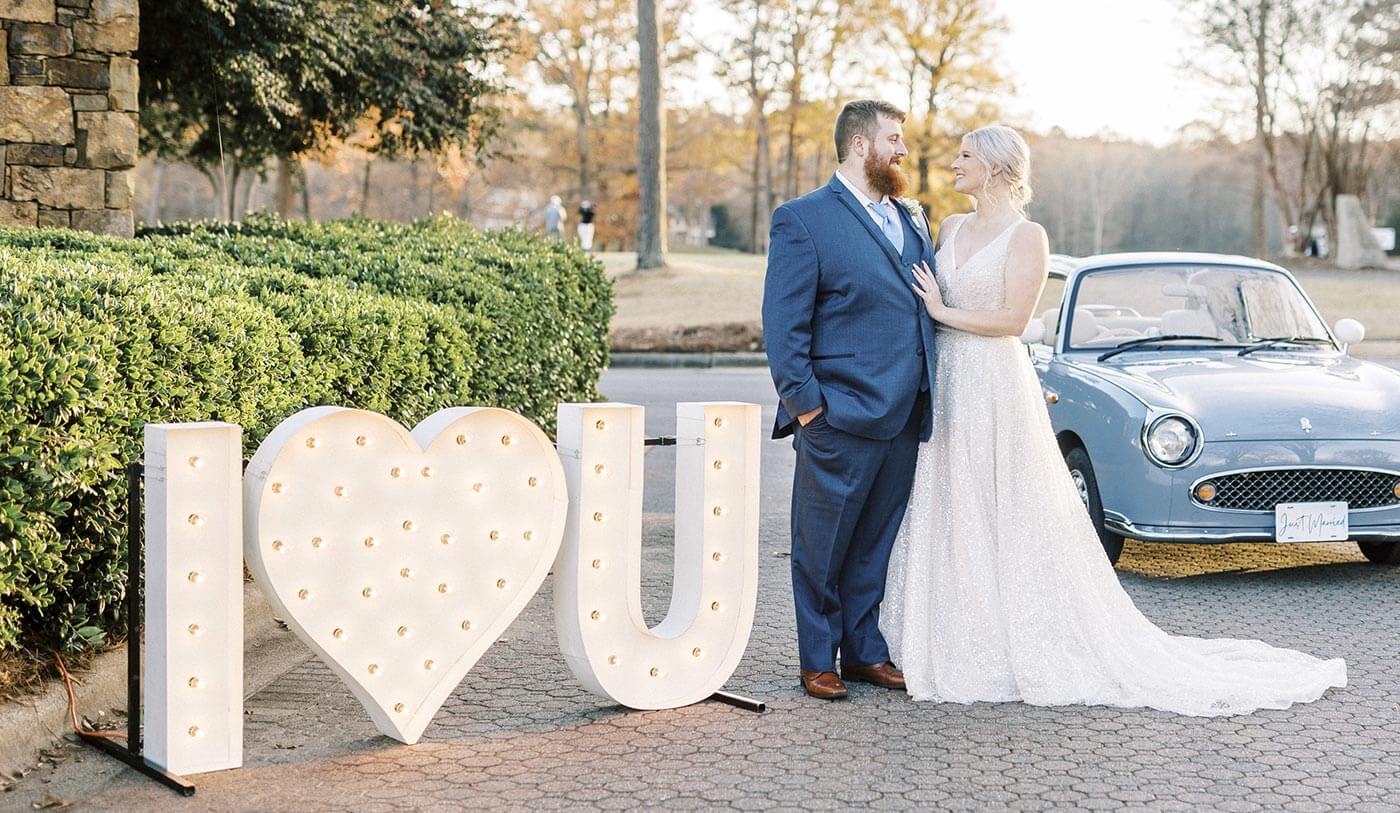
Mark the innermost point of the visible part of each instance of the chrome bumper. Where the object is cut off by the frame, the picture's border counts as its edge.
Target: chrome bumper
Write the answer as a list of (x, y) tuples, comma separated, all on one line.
[(1177, 533)]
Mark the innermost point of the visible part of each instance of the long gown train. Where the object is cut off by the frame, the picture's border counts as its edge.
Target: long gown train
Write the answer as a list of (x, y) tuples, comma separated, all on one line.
[(998, 587)]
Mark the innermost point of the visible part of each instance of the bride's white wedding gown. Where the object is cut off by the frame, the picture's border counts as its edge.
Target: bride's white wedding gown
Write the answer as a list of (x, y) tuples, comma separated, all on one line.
[(998, 587)]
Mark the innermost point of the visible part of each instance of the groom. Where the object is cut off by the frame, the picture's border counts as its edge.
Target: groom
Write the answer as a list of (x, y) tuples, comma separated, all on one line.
[(851, 351)]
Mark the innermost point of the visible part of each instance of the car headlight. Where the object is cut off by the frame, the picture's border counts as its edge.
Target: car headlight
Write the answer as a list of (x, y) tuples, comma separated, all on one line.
[(1170, 440)]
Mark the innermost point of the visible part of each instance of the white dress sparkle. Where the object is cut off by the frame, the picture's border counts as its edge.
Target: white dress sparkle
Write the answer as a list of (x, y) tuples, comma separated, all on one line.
[(998, 587)]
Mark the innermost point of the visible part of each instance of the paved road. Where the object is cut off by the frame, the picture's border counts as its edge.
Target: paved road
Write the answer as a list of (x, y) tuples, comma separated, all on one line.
[(520, 733)]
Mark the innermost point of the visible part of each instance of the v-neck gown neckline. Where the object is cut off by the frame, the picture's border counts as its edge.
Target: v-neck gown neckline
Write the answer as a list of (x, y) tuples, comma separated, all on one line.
[(953, 240)]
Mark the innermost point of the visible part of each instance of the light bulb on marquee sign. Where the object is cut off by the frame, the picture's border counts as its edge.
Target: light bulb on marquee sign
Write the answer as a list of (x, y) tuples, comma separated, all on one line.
[(598, 610), (399, 557), (193, 688), (397, 612)]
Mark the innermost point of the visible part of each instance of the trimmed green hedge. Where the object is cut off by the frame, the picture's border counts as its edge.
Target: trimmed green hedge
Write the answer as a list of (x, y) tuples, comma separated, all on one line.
[(248, 323)]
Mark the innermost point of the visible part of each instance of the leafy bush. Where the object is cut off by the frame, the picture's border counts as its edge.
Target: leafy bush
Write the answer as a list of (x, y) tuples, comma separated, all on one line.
[(248, 323)]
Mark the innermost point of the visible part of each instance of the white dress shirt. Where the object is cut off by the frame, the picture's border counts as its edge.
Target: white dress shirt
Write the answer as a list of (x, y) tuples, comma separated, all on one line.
[(871, 207)]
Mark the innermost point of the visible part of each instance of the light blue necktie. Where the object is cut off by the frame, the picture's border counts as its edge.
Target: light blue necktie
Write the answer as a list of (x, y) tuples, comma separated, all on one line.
[(890, 225)]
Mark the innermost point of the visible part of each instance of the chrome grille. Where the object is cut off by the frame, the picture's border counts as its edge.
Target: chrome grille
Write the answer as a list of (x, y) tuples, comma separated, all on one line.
[(1262, 490)]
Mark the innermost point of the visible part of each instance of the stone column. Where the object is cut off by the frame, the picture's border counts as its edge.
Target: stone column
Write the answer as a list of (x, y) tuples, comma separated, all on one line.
[(1356, 245), (68, 126)]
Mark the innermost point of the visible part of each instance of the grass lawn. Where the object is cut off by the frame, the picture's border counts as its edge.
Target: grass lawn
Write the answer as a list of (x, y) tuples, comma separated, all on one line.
[(715, 295)]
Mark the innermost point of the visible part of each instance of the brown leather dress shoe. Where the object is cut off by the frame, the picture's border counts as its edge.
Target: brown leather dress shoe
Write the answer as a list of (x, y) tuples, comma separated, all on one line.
[(884, 675), (823, 685)]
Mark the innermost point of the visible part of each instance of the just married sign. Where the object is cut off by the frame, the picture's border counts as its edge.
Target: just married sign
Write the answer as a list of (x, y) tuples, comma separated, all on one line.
[(400, 556)]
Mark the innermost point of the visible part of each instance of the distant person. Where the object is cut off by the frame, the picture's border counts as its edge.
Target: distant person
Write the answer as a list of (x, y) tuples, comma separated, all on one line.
[(587, 210), (554, 217)]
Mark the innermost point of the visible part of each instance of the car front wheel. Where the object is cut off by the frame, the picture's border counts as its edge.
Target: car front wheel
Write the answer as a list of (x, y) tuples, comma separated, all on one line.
[(1381, 553), (1081, 471)]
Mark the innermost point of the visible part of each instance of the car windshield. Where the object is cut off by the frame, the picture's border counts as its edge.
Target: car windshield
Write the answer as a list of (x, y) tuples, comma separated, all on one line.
[(1226, 305)]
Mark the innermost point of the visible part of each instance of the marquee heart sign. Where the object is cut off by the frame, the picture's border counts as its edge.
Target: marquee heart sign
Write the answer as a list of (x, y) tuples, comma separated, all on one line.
[(400, 557)]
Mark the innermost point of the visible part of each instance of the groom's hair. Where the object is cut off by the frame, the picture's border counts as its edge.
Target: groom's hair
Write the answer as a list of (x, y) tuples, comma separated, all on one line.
[(861, 117)]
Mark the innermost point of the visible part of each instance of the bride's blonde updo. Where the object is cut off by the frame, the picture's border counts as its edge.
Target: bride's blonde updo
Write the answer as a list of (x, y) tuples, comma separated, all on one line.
[(999, 147)]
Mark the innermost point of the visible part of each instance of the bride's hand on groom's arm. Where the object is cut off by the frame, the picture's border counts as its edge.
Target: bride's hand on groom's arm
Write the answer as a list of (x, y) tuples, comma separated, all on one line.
[(1027, 264), (926, 287)]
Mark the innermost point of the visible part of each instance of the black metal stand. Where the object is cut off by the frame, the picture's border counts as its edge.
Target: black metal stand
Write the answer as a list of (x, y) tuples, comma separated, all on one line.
[(131, 753), (739, 701)]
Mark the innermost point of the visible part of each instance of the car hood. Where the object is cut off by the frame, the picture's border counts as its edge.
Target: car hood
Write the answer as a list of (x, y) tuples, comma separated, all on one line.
[(1267, 395)]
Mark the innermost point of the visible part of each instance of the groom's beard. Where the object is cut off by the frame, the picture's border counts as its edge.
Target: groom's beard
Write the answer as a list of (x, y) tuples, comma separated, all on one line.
[(885, 178)]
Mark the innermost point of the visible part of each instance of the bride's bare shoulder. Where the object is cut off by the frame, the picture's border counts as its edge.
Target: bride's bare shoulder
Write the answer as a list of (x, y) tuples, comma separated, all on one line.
[(1029, 233), (1030, 248), (948, 222)]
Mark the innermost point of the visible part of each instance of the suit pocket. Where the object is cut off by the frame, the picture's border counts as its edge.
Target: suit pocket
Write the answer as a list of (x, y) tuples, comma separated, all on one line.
[(834, 356)]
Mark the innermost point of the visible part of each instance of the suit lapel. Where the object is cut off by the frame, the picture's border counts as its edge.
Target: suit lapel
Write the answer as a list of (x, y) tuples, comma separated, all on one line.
[(863, 217), (923, 235)]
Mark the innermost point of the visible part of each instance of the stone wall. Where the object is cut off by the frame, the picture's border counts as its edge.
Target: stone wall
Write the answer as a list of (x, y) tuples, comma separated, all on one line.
[(68, 127)]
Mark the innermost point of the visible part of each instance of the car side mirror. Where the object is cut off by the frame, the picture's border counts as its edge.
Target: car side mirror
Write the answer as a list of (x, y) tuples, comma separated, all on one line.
[(1349, 331), (1034, 332)]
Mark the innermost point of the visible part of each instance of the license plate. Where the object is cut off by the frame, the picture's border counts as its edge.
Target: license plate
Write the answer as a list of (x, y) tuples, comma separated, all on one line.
[(1311, 522)]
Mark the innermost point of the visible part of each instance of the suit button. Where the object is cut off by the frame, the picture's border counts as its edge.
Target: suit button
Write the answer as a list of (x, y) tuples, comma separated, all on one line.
[(921, 351)]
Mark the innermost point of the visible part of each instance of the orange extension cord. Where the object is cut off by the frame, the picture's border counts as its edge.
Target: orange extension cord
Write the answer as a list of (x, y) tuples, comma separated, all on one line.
[(73, 706)]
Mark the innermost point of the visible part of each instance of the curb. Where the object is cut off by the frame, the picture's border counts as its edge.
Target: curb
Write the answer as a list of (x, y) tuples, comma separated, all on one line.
[(677, 360), (33, 724)]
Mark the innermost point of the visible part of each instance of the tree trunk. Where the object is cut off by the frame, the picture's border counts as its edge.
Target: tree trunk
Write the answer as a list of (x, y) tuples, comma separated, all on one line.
[(250, 188), (1256, 202), (794, 109), (364, 187), (215, 176), (285, 196), (231, 190), (1261, 108), (652, 225), (153, 206), (414, 183), (761, 180), (790, 163), (305, 181), (585, 154), (925, 163)]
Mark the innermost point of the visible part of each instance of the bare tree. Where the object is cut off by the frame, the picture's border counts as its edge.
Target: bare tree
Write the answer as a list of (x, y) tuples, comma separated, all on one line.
[(1111, 175), (1260, 39), (651, 221), (809, 50), (946, 48), (754, 65), (1363, 88), (580, 47)]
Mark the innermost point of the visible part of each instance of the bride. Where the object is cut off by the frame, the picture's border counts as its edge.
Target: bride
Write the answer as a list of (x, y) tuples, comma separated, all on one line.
[(998, 588)]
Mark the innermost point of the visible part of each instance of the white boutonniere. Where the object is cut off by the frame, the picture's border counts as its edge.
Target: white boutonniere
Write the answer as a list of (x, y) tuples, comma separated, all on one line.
[(916, 212), (915, 209)]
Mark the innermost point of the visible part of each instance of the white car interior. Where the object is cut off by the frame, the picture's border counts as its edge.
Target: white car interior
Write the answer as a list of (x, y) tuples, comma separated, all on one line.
[(1233, 304)]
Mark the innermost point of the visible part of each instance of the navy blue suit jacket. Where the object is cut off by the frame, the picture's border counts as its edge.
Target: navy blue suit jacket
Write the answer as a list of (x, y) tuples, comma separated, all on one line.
[(842, 326)]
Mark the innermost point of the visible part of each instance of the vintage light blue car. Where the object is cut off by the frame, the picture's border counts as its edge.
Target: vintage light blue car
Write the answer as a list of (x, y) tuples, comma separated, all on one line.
[(1201, 398)]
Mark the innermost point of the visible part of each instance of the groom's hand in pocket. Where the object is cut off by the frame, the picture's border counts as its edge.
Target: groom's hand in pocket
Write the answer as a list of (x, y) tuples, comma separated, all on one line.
[(806, 417)]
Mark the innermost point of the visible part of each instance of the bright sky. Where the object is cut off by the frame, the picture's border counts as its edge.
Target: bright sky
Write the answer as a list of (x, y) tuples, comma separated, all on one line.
[(1082, 65), (1088, 65)]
